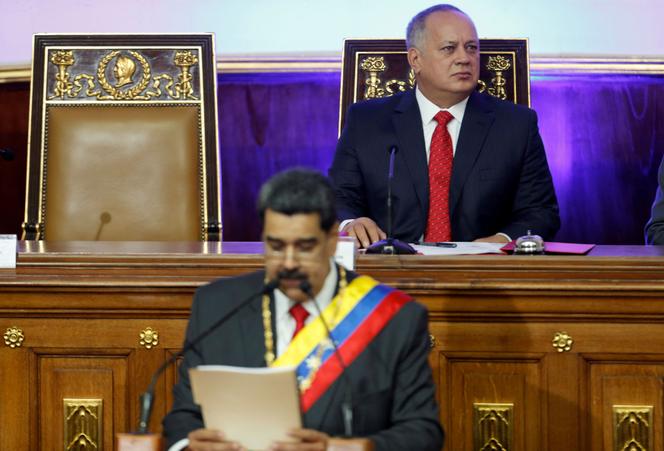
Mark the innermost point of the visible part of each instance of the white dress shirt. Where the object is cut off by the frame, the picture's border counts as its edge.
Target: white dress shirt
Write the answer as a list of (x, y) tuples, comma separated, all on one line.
[(428, 110), (284, 321)]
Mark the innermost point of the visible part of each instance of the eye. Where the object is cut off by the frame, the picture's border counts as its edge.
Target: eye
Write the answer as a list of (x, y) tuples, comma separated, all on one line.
[(472, 48), (448, 49), (306, 247)]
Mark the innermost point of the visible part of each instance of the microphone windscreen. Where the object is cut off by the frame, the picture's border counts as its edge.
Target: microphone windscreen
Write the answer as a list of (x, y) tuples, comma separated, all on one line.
[(305, 286)]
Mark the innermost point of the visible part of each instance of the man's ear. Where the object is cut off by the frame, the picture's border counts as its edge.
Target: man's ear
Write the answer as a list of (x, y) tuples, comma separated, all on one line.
[(414, 59)]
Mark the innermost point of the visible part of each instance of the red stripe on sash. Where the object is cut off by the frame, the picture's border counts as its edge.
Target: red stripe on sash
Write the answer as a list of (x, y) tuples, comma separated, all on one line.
[(353, 346)]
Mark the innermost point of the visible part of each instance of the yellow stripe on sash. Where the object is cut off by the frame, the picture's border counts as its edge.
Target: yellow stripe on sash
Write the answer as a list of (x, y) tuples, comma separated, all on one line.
[(314, 332)]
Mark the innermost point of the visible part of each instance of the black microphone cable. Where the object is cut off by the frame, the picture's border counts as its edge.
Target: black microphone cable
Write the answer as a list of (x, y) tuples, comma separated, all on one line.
[(147, 398)]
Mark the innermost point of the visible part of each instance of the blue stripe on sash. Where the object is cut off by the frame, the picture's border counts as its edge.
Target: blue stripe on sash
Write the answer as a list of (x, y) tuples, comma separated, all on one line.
[(348, 325)]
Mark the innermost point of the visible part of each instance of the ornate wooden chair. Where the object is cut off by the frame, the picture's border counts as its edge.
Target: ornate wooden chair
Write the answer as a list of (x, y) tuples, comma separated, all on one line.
[(379, 68), (123, 139)]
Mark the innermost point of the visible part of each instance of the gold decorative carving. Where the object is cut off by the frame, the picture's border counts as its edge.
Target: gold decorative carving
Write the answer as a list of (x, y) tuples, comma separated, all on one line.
[(82, 424), (632, 428), (375, 88), (14, 337), (562, 341), (432, 341), (183, 88), (63, 59), (373, 85), (125, 66), (498, 64), (493, 426), (149, 338)]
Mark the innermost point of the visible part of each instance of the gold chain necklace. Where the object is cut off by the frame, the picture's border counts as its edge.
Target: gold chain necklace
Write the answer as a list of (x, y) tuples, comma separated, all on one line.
[(267, 318)]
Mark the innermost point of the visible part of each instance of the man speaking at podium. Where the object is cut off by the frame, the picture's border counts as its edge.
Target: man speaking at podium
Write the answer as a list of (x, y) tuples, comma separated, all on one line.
[(468, 167), (380, 332)]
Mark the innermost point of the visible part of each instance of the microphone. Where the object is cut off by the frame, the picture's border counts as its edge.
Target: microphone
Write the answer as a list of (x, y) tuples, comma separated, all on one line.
[(7, 154), (147, 398), (347, 405), (390, 246)]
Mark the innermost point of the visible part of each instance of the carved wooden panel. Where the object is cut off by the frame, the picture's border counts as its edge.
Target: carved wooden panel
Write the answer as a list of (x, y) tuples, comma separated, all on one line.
[(487, 379), (15, 420), (626, 402), (69, 377), (81, 313)]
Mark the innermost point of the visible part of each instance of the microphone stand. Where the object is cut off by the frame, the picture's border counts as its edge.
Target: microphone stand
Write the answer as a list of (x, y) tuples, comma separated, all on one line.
[(347, 405), (147, 398), (390, 245)]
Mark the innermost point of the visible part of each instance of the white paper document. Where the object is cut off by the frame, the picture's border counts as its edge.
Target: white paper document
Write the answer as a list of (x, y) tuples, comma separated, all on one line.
[(253, 406), (461, 248), (7, 251)]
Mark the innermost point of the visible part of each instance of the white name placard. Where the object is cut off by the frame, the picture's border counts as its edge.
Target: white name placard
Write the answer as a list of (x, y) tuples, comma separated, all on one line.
[(7, 251), (345, 254)]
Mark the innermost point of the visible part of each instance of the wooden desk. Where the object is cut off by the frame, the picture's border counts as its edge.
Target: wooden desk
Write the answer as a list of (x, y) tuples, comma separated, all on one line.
[(88, 312)]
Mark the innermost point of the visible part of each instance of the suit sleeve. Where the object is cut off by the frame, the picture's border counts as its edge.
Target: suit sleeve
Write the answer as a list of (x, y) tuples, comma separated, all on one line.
[(655, 225), (185, 416), (346, 174), (535, 205), (414, 416)]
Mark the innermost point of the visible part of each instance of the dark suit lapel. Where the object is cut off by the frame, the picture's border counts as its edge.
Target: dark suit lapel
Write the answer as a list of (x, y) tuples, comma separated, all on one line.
[(408, 125), (477, 121)]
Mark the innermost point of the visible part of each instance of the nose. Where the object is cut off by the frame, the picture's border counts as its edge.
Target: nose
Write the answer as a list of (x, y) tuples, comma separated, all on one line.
[(463, 57), (290, 261)]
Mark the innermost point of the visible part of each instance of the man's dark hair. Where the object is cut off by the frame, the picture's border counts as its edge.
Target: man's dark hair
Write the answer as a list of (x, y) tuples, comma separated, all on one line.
[(415, 29), (299, 191)]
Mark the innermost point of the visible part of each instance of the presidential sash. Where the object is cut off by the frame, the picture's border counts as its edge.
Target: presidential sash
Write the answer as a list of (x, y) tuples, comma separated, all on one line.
[(355, 316)]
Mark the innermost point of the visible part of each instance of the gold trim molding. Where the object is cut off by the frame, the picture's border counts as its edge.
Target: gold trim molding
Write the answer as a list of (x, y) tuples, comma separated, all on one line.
[(538, 65), (493, 425), (632, 428), (82, 424)]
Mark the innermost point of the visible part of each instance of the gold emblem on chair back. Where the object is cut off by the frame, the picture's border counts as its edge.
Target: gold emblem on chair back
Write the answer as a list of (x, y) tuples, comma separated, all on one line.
[(123, 139), (374, 68)]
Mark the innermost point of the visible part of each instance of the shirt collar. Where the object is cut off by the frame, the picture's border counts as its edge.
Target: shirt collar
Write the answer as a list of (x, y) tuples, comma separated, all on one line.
[(428, 109)]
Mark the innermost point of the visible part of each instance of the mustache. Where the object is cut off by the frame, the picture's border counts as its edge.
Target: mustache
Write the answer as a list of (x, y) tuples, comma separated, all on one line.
[(291, 274)]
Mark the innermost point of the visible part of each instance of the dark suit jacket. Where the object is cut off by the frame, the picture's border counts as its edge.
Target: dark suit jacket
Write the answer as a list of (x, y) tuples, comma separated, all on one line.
[(655, 225), (500, 176), (393, 392)]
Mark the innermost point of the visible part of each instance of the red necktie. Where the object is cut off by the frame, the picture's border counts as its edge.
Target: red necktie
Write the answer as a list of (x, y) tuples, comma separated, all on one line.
[(300, 315), (440, 174)]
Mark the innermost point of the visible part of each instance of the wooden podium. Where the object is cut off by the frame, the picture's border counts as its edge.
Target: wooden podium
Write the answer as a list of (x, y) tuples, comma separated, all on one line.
[(564, 352)]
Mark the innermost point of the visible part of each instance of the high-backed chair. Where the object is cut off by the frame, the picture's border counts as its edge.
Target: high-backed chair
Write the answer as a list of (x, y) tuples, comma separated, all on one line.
[(374, 68), (123, 139)]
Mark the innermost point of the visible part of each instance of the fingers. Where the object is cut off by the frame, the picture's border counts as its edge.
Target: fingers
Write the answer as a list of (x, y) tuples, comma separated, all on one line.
[(365, 230), (497, 238), (308, 440), (210, 439)]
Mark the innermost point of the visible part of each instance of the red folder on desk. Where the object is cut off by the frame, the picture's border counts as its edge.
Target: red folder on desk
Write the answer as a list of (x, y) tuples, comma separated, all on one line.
[(551, 247)]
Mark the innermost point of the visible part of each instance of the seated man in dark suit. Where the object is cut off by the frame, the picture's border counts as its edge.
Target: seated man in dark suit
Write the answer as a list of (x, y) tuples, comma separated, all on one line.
[(382, 335), (468, 167), (655, 225)]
